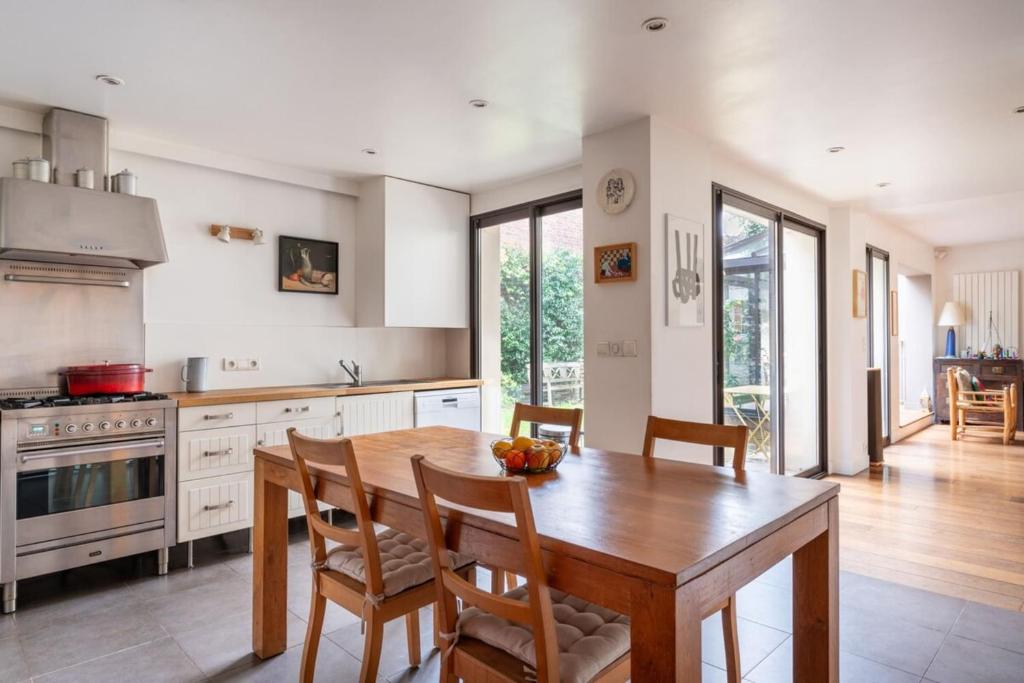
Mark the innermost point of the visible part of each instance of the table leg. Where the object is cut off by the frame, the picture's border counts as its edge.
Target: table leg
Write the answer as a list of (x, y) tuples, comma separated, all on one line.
[(816, 606), (270, 565), (665, 635)]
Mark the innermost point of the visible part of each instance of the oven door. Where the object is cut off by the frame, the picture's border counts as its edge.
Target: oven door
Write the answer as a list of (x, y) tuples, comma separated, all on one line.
[(81, 490)]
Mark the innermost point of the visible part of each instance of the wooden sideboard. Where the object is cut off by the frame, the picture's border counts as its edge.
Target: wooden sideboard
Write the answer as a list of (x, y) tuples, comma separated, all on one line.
[(994, 374)]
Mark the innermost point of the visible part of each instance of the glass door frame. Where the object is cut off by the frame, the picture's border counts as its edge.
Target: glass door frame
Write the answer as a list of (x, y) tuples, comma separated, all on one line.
[(535, 211), (873, 252), (781, 220)]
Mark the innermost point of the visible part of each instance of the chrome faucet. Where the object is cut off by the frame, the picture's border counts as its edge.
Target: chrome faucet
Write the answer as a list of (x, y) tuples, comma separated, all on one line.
[(355, 373)]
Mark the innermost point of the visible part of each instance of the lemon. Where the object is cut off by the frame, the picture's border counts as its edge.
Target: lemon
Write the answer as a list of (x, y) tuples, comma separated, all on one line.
[(522, 443)]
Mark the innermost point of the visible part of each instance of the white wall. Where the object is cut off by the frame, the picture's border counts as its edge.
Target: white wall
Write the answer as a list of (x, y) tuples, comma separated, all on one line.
[(618, 397), (979, 258), (527, 190), (215, 299)]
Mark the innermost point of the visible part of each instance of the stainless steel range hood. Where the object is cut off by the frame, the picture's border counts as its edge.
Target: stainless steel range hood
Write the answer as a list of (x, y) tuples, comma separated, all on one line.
[(58, 223)]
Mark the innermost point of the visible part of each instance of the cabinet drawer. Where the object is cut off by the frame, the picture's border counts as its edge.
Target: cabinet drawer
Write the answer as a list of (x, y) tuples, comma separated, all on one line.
[(294, 409), (208, 417), (276, 434), (214, 506), (212, 452)]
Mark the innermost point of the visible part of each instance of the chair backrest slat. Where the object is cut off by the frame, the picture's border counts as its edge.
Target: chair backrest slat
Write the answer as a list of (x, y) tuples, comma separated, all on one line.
[(565, 417), (497, 494), (724, 436), (336, 453)]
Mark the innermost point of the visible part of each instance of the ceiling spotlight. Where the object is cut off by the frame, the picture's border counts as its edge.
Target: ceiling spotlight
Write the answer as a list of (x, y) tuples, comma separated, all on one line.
[(883, 184), (110, 80), (479, 104), (835, 150), (654, 24), (369, 151)]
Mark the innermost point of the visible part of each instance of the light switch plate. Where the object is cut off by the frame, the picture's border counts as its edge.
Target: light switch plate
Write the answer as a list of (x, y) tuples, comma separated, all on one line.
[(603, 349), (629, 348), (616, 348)]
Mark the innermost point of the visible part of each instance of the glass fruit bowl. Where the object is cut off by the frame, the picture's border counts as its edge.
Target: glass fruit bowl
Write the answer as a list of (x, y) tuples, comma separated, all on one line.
[(523, 455)]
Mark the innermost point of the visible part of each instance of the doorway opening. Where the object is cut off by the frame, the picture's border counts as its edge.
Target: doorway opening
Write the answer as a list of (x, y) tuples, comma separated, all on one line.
[(914, 339)]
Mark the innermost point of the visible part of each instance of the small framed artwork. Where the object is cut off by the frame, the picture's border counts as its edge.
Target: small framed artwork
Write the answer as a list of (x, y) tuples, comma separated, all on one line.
[(615, 263), (684, 272), (860, 294), (615, 191), (307, 265)]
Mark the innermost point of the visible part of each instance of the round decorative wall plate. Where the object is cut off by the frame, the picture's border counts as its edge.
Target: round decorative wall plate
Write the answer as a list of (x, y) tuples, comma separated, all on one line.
[(615, 191)]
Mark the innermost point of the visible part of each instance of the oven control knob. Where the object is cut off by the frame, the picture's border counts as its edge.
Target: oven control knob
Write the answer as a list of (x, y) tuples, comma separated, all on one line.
[(120, 424), (105, 425), (71, 429), (136, 423), (151, 422), (87, 427)]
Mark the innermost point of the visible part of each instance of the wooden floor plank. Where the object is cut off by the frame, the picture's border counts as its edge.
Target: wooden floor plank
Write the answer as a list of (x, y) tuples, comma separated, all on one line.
[(940, 515)]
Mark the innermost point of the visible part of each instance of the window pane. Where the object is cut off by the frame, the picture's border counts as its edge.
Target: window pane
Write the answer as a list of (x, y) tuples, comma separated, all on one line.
[(800, 351), (504, 325), (746, 330), (562, 309)]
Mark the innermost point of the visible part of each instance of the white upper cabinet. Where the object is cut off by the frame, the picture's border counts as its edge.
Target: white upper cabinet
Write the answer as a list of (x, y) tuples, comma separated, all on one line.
[(412, 255)]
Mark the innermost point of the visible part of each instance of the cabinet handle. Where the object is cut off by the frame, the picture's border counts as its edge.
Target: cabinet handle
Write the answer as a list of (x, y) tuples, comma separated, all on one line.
[(223, 416), (210, 454), (209, 508), (996, 369), (303, 409)]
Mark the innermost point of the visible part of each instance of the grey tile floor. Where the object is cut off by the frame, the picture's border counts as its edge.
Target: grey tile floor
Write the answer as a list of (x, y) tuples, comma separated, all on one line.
[(118, 622)]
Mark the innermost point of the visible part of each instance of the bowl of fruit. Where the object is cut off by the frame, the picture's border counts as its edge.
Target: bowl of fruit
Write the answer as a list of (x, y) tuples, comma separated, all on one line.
[(525, 455)]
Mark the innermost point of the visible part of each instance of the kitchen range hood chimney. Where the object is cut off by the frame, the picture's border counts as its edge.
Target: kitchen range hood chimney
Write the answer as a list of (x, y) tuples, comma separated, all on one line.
[(60, 223)]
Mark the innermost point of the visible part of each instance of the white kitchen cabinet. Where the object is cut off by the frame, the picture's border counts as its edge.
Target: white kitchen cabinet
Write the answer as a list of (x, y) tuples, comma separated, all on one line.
[(412, 255), (372, 413), (214, 505), (276, 434), (213, 452)]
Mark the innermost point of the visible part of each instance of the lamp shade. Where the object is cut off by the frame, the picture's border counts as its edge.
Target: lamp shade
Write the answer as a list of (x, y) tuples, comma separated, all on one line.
[(952, 315)]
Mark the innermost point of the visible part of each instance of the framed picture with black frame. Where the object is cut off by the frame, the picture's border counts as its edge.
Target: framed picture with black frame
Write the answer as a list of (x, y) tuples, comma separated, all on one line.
[(308, 266)]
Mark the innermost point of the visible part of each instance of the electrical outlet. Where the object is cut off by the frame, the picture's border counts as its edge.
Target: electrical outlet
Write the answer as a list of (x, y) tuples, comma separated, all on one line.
[(242, 364)]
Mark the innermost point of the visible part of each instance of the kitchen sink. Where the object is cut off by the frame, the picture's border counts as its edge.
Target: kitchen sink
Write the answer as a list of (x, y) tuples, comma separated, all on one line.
[(371, 383)]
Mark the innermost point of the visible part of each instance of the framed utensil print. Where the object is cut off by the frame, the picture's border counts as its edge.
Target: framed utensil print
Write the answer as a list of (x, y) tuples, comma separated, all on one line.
[(684, 272)]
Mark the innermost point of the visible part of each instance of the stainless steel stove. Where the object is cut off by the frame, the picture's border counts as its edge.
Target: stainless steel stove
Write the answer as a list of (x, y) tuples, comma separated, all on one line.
[(83, 480)]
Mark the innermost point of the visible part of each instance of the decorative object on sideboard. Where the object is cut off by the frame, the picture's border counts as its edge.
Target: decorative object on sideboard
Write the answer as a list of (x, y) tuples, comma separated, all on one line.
[(226, 233), (615, 191), (615, 263), (860, 294), (307, 265), (684, 278), (952, 316)]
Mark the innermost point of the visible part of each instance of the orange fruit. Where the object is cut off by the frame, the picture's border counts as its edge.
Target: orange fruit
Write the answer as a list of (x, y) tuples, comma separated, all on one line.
[(515, 460)]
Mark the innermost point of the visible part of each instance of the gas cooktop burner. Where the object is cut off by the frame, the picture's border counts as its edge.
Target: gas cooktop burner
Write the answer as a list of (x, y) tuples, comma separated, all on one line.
[(61, 401)]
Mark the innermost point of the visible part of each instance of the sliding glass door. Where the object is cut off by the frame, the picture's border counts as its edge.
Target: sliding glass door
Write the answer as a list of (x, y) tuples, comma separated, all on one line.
[(528, 307), (878, 325), (769, 333)]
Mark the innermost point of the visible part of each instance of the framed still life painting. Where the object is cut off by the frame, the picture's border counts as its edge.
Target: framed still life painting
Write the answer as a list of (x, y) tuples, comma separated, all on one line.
[(307, 265), (615, 263), (684, 272)]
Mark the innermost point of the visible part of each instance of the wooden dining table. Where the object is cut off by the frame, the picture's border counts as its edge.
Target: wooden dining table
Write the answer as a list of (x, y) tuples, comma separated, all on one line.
[(658, 540)]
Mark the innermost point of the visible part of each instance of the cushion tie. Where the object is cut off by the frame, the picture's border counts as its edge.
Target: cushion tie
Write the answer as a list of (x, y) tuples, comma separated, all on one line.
[(450, 640), (372, 601)]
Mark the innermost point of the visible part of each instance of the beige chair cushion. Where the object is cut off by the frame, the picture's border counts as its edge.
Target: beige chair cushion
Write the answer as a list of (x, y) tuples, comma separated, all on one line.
[(963, 380), (589, 637), (404, 561)]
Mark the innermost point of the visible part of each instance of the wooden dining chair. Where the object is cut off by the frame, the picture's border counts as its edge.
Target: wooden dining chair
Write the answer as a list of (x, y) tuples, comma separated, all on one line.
[(487, 641), (378, 577), (724, 436), (993, 412), (526, 412)]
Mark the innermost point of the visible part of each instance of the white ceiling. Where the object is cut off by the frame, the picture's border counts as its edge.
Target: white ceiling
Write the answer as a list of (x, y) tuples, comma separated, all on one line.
[(920, 92)]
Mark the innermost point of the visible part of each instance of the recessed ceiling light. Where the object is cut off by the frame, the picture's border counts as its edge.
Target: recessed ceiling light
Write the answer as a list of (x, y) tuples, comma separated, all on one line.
[(370, 151), (883, 184), (109, 80), (654, 24), (479, 104), (835, 150)]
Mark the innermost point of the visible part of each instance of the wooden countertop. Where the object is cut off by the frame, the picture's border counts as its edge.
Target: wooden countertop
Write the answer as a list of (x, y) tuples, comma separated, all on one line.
[(219, 396)]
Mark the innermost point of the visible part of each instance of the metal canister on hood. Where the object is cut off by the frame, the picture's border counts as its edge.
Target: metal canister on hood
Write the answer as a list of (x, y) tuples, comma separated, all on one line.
[(85, 178), (39, 169), (20, 168), (124, 182)]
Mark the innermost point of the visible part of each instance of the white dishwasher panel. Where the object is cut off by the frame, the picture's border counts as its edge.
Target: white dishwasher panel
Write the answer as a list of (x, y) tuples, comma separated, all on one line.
[(449, 408)]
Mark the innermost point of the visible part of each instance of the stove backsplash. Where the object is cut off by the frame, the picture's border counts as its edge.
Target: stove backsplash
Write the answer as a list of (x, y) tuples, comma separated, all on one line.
[(46, 327)]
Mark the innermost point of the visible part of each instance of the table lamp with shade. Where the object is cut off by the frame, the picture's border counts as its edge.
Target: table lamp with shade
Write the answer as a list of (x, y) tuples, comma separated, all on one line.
[(951, 316)]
